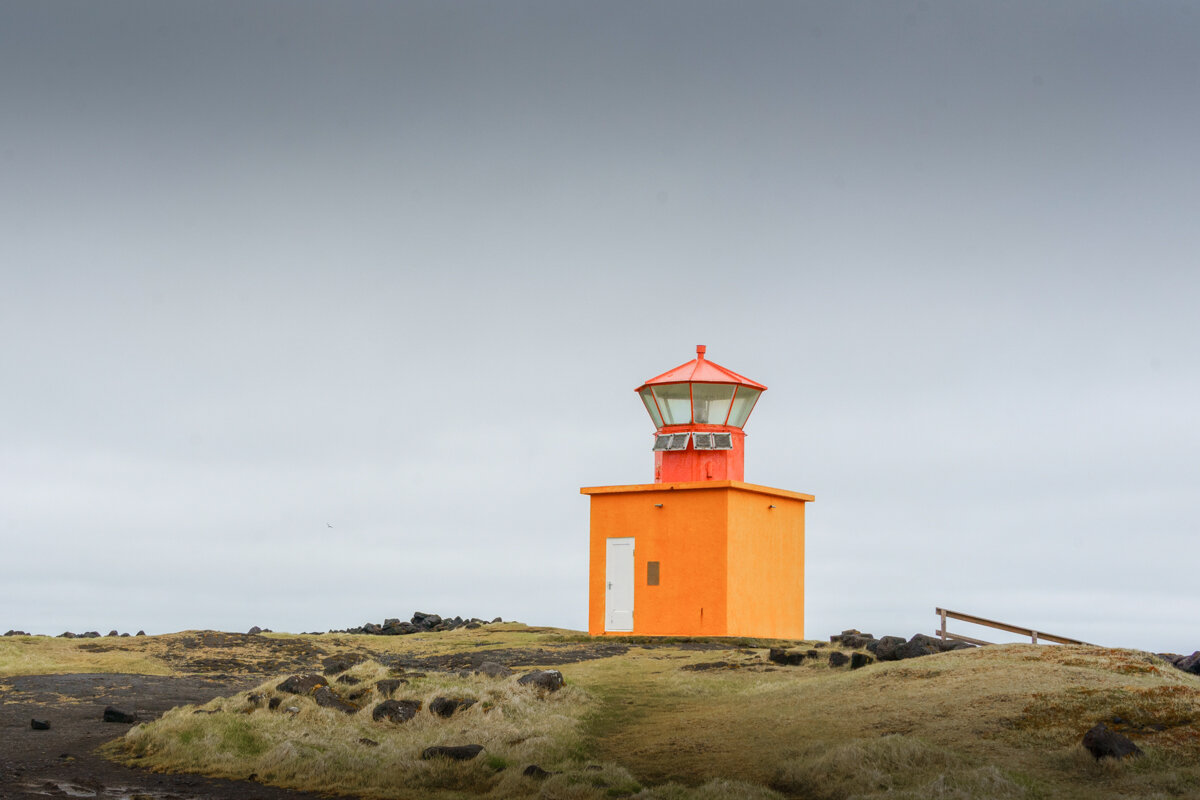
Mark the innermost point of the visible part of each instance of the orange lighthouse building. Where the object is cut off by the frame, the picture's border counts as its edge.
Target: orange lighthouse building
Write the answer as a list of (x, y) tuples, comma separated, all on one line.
[(698, 552)]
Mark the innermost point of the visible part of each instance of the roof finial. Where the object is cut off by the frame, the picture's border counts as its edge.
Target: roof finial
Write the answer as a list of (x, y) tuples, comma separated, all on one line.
[(700, 349)]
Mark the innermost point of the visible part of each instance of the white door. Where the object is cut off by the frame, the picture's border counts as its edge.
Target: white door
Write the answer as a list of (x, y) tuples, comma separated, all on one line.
[(618, 588)]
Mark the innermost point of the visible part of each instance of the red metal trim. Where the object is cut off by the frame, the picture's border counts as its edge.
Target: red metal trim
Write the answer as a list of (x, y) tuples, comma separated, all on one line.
[(732, 400), (654, 396)]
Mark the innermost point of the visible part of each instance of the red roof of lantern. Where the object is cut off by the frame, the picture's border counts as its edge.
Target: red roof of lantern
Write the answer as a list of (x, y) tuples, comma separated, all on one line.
[(701, 370)]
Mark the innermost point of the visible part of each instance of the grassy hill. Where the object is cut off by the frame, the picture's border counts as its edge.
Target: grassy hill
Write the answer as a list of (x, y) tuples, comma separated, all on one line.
[(657, 719)]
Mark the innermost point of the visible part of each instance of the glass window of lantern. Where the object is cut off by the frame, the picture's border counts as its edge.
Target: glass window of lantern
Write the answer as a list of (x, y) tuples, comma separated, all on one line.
[(743, 404), (648, 399), (675, 403), (710, 402)]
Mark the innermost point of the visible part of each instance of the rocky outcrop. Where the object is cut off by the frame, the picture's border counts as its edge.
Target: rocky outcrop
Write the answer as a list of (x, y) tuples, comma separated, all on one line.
[(421, 622), (328, 698), (446, 706)]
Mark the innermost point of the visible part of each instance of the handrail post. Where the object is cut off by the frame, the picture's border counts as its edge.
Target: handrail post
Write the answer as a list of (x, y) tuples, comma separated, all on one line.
[(943, 616), (1034, 636)]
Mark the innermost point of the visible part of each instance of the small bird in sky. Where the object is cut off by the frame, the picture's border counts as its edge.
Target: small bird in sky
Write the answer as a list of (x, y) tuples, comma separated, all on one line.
[(327, 525)]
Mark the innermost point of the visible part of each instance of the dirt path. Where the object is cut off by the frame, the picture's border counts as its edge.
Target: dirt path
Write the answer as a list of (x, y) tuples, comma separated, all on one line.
[(61, 762)]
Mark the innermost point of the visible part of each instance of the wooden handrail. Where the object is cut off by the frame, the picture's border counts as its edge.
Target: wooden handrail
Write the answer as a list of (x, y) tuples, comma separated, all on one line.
[(1003, 626)]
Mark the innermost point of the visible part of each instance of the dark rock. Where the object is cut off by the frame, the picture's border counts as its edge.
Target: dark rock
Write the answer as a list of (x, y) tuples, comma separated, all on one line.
[(399, 628), (124, 635), (140, 633), (390, 621), (372, 629), (341, 662), (396, 710), (90, 635), (885, 648), (535, 772), (327, 698), (1101, 742), (39, 724), (855, 641), (255, 699), (368, 742), (1190, 664), (66, 635), (858, 660), (348, 680), (472, 626), (446, 706), (254, 631), (813, 654), (388, 686), (838, 659), (1171, 658), (274, 702), (460, 752), (113, 633), (956, 644), (493, 669), (302, 684), (426, 621), (779, 655), (550, 680), (497, 619), (112, 714), (704, 667)]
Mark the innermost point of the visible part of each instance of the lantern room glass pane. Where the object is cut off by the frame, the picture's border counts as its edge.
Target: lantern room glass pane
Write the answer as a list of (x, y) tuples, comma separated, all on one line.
[(675, 403), (710, 402), (743, 404), (648, 399)]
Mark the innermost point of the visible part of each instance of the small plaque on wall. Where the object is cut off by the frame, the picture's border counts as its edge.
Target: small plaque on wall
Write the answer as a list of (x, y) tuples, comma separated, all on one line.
[(652, 573)]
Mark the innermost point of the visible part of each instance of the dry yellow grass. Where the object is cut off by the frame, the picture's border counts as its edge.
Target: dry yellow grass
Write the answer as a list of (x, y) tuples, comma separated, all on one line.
[(999, 722), (40, 655)]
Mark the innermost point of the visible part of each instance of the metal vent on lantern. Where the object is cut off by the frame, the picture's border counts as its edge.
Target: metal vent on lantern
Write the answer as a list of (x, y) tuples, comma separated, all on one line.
[(671, 441), (712, 441)]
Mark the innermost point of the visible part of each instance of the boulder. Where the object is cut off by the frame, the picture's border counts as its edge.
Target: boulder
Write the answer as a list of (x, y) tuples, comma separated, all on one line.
[(550, 680), (274, 702), (426, 621), (327, 698), (472, 626), (113, 633), (368, 742), (780, 655), (348, 680), (497, 619), (254, 631), (372, 629), (535, 772), (140, 633), (39, 724), (493, 669), (388, 686), (446, 706), (90, 635), (459, 752), (396, 710), (1101, 742), (112, 714), (858, 660), (885, 648), (302, 684), (855, 641), (66, 635), (838, 659), (918, 645), (399, 628)]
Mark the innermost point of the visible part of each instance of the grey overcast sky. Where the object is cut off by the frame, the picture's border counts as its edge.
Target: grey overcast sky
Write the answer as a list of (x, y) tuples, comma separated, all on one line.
[(396, 268)]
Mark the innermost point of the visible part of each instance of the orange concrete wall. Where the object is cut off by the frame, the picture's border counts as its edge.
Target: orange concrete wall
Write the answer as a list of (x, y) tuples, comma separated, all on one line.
[(765, 566), (687, 537)]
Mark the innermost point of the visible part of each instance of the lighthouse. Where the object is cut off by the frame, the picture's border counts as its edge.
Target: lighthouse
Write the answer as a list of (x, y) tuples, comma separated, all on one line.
[(698, 552)]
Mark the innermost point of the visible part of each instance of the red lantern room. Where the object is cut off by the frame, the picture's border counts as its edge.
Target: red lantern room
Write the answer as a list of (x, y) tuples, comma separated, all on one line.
[(699, 409)]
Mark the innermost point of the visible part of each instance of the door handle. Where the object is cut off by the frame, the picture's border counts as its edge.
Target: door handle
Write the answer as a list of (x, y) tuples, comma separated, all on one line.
[(610, 585)]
